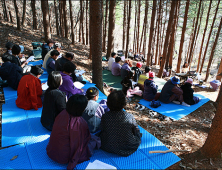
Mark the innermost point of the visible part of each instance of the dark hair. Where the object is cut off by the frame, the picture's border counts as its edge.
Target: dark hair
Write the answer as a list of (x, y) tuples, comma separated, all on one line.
[(69, 55), (113, 54), (147, 69), (129, 74), (117, 59), (5, 58), (54, 52), (36, 70), (116, 100), (9, 45), (76, 105), (91, 93), (50, 41), (16, 49), (54, 80), (69, 67)]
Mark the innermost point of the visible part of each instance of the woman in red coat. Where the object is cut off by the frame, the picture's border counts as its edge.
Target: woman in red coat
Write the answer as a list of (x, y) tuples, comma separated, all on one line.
[(30, 90)]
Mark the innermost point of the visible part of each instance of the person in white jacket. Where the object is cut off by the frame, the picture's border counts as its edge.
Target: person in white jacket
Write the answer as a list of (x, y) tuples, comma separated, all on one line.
[(111, 60)]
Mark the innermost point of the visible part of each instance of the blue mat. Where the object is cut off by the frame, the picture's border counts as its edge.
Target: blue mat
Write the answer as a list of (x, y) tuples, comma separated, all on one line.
[(20, 126), (175, 111), (21, 162)]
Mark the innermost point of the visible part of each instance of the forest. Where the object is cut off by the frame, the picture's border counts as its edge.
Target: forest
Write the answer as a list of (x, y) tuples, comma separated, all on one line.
[(168, 33)]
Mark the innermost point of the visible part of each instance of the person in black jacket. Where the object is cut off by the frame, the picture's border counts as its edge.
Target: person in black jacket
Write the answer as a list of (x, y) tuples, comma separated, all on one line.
[(188, 93), (10, 72), (137, 71), (54, 100), (127, 82)]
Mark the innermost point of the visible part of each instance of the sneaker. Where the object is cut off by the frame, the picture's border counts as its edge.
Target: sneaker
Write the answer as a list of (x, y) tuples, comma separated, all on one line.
[(137, 106), (141, 108), (176, 102), (184, 104)]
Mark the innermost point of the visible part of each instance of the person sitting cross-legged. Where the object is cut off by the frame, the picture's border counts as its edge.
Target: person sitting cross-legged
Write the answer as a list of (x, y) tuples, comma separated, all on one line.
[(54, 100), (150, 88), (172, 93), (93, 112), (126, 67), (111, 60), (119, 131), (70, 141), (188, 96), (29, 90), (50, 64), (116, 67)]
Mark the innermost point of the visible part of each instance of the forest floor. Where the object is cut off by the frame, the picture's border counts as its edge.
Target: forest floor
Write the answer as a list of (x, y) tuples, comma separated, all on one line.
[(188, 133)]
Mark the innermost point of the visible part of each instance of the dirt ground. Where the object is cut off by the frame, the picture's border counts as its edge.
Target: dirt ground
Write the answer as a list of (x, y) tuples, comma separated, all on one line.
[(188, 133)]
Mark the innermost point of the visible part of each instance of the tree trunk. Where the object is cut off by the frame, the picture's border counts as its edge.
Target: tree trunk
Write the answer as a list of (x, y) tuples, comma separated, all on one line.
[(24, 11), (128, 29), (145, 26), (5, 12), (34, 15), (182, 36), (219, 71), (194, 34), (164, 25), (96, 46), (141, 38), (173, 5), (105, 26), (87, 29), (134, 35), (213, 144), (82, 24), (72, 25), (158, 29), (17, 16), (10, 15), (65, 19), (61, 12), (213, 50), (110, 47), (56, 15), (201, 47), (124, 24), (45, 13), (138, 26), (205, 52), (151, 33)]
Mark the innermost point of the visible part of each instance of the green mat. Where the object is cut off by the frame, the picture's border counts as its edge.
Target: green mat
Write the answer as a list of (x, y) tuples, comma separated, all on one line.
[(109, 79)]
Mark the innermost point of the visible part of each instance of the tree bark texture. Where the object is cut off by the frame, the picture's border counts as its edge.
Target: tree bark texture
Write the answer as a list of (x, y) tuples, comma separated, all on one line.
[(96, 46), (213, 144), (105, 26), (149, 59), (82, 22), (24, 11), (145, 26), (213, 50), (61, 12), (219, 71), (134, 35), (17, 16), (138, 25), (110, 47), (87, 29), (5, 12), (124, 24), (65, 19), (205, 29), (205, 52), (182, 36), (45, 13), (56, 16), (34, 15), (173, 5), (72, 25), (128, 29)]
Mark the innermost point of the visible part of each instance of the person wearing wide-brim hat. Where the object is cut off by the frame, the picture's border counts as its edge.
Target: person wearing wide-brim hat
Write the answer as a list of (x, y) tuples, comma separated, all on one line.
[(172, 93)]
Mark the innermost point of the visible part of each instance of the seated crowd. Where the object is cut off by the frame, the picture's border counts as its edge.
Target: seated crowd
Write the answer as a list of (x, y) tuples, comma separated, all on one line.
[(79, 124)]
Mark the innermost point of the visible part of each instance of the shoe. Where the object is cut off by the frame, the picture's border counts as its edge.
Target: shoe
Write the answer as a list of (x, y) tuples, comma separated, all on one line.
[(141, 108), (161, 117), (176, 102), (137, 106), (184, 104)]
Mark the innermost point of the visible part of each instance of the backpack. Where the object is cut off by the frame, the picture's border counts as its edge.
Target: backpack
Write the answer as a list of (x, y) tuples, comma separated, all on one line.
[(155, 104)]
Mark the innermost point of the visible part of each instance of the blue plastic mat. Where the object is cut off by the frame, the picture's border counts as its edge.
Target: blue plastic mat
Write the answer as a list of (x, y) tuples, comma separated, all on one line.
[(176, 111), (20, 162)]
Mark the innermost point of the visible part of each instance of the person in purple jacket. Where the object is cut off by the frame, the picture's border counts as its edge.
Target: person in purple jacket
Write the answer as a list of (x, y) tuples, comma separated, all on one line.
[(150, 88), (67, 85), (116, 67)]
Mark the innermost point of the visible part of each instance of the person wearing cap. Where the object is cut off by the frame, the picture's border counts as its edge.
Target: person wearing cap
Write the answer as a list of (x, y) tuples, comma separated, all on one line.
[(172, 93), (50, 64), (47, 47), (111, 60), (150, 88), (116, 67), (126, 67), (137, 71), (143, 77), (188, 96), (58, 47)]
